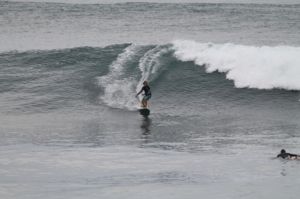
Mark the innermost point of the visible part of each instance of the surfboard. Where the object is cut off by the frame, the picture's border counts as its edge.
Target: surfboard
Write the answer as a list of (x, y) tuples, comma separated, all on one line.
[(144, 111)]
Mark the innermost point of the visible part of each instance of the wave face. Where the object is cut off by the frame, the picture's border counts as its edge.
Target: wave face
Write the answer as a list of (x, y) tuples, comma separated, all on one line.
[(38, 81), (248, 66)]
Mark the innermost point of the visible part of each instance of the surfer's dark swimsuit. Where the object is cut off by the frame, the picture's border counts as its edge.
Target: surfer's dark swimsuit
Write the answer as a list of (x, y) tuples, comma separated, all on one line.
[(147, 91)]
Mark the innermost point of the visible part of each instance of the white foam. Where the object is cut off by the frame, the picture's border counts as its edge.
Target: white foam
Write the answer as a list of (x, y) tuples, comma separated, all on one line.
[(263, 67), (150, 63), (119, 89)]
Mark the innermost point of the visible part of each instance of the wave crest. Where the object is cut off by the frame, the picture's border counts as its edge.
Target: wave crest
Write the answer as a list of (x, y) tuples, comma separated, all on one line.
[(248, 66)]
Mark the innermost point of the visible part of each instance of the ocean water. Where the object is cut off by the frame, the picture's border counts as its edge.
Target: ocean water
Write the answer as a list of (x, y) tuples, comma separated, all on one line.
[(225, 79)]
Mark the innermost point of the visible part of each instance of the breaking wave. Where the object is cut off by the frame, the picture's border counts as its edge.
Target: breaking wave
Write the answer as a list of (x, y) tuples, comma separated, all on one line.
[(114, 74), (248, 66)]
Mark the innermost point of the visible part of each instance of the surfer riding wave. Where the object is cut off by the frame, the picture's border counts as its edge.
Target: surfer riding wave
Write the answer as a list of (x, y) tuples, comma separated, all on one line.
[(147, 94)]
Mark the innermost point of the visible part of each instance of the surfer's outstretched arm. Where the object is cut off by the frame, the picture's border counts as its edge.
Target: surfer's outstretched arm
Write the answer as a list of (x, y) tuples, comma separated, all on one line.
[(139, 92)]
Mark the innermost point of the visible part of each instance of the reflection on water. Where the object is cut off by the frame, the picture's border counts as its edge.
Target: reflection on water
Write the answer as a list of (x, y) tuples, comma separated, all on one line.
[(145, 125), (283, 172)]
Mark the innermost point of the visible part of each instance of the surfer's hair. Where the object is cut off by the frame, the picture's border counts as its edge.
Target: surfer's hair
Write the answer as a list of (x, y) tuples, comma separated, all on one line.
[(282, 151), (145, 82)]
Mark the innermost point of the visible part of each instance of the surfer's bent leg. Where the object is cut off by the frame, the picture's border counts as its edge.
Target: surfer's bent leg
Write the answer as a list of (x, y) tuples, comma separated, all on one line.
[(145, 100)]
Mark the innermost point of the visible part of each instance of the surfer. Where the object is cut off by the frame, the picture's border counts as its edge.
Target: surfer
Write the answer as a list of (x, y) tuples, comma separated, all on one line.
[(147, 94), (283, 154)]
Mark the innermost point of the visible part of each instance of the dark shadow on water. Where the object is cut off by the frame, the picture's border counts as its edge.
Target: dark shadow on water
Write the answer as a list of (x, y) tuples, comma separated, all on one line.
[(145, 125)]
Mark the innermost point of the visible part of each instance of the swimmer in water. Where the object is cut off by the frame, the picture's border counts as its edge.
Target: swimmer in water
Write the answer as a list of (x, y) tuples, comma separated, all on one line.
[(283, 154)]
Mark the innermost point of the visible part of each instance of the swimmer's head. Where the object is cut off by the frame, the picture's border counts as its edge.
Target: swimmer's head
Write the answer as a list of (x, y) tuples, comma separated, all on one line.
[(282, 151)]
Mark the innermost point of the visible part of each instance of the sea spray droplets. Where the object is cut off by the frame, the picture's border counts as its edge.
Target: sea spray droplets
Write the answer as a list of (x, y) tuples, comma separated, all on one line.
[(248, 66), (150, 64), (118, 88)]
